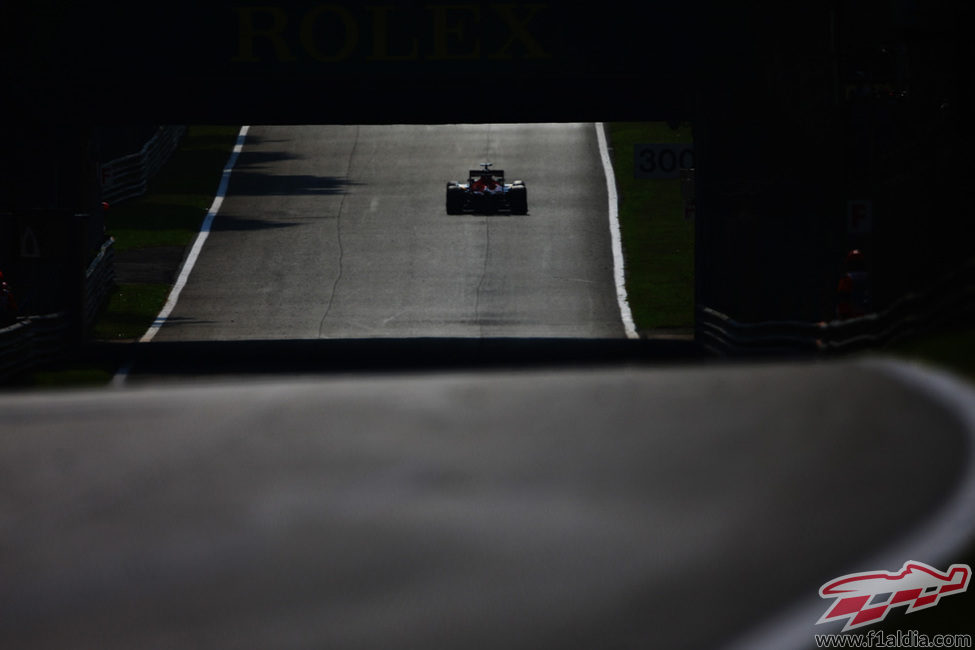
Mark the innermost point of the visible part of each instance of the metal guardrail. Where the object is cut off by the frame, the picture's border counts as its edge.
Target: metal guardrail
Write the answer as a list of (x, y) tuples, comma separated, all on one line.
[(99, 281), (951, 299), (31, 342), (35, 340), (723, 336), (128, 176)]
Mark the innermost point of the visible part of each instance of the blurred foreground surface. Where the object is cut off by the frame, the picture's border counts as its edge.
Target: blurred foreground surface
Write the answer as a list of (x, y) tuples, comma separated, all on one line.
[(573, 508)]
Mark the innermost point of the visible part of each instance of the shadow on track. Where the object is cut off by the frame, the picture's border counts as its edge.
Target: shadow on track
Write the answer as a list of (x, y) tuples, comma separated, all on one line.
[(324, 356), (254, 183)]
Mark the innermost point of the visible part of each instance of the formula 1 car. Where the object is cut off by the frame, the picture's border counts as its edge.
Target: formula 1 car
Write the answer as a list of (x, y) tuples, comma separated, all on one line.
[(486, 192)]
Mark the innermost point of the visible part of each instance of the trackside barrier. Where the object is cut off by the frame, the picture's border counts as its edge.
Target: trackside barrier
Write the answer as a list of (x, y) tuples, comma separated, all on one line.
[(99, 281), (950, 300), (31, 342), (128, 176), (723, 336), (36, 340)]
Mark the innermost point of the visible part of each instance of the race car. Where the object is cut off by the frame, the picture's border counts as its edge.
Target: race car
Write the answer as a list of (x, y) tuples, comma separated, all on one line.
[(486, 192)]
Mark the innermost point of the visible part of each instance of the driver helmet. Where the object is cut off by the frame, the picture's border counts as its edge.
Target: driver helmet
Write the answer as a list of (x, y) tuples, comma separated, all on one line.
[(854, 260)]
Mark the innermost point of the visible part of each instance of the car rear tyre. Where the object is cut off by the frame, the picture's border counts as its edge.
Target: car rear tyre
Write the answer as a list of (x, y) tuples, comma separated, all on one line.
[(455, 199), (518, 200)]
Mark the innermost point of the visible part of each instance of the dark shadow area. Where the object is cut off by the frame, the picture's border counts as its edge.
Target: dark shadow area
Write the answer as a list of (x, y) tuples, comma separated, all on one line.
[(250, 183), (229, 222), (250, 158), (324, 356), (258, 140), (157, 264), (176, 321), (493, 215)]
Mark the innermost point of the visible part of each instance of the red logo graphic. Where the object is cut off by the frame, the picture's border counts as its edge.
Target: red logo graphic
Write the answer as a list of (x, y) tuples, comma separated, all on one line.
[(865, 598)]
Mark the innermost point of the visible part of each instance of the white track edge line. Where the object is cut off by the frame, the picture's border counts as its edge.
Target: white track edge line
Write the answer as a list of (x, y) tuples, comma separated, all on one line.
[(190, 261), (940, 540), (614, 230)]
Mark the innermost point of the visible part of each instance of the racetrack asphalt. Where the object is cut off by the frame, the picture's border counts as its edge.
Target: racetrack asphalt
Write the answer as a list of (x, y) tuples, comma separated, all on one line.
[(625, 507), (341, 232), (627, 504)]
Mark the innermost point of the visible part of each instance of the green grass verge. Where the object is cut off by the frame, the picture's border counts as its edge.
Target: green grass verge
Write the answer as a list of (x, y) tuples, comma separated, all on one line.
[(67, 375), (953, 350), (171, 212), (130, 311), (658, 243)]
